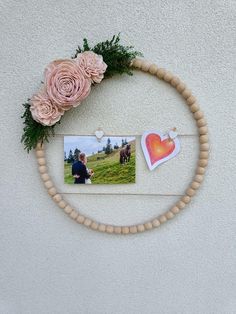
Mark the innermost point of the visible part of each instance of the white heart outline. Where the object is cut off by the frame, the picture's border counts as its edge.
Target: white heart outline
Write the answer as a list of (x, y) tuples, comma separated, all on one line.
[(163, 137), (99, 134)]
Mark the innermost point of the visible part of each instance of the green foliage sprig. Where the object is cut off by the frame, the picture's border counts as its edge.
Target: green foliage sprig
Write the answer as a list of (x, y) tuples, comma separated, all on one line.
[(117, 58)]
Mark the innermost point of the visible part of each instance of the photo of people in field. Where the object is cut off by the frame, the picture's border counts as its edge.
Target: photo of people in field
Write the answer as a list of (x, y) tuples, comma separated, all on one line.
[(108, 161)]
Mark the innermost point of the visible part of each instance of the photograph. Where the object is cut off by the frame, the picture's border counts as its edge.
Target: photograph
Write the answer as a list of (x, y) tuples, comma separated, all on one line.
[(108, 161)]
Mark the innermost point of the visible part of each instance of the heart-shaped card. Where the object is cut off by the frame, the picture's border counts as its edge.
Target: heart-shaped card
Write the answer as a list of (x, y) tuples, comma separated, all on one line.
[(159, 148)]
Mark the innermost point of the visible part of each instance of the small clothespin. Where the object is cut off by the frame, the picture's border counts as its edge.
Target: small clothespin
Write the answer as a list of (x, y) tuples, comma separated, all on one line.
[(172, 134), (99, 134)]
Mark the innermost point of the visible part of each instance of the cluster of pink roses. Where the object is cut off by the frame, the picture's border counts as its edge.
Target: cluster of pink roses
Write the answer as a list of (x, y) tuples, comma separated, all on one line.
[(67, 83)]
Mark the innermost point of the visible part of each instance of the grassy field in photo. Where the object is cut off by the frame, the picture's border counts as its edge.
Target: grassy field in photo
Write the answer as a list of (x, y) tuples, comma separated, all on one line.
[(107, 168)]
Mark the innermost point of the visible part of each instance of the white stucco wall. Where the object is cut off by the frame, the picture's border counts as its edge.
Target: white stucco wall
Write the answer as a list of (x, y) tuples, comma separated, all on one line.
[(48, 263)]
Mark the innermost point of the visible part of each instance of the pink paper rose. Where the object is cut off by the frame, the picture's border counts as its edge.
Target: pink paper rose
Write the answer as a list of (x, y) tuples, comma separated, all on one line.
[(43, 110), (66, 84), (92, 65)]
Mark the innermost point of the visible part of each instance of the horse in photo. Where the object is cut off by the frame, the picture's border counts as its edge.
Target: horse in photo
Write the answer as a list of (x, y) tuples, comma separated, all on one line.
[(125, 154)]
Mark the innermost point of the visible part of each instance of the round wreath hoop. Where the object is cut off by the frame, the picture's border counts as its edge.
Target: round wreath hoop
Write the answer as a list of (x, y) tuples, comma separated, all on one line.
[(155, 222)]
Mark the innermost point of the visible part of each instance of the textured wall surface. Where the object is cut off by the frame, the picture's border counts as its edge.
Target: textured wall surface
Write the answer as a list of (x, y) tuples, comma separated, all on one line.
[(48, 263)]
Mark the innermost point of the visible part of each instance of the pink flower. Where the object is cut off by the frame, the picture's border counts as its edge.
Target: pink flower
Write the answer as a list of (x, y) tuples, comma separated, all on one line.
[(43, 110), (92, 65), (66, 84)]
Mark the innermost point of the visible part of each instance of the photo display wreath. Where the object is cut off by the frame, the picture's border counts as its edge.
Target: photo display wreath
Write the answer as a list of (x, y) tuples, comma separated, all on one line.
[(67, 82)]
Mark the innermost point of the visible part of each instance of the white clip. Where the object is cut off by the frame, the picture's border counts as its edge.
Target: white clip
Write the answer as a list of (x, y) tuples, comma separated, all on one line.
[(99, 134), (172, 133)]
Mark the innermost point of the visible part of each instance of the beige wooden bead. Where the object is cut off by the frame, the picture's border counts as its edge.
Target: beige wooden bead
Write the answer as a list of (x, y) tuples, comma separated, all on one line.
[(57, 198), (191, 100), (102, 228), (175, 210), (162, 219), (203, 139), (156, 223), (186, 93), (200, 170), (39, 153), (52, 191), (42, 169), (203, 130), (68, 209), (204, 147), (137, 63), (169, 215), (117, 230), (175, 81), (202, 162), (190, 192), (168, 76), (148, 225), (48, 184), (194, 107), (42, 161), (180, 87), (74, 214), (198, 178), (125, 230), (153, 69), (203, 154), (145, 66), (87, 222), (160, 73), (62, 204), (109, 229), (94, 225), (186, 199), (45, 177), (201, 122), (133, 229), (181, 204), (195, 185), (80, 219), (141, 228), (198, 115), (40, 146)]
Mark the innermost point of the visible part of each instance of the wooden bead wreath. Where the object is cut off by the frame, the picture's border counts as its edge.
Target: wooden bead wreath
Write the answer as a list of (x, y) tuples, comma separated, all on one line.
[(198, 115)]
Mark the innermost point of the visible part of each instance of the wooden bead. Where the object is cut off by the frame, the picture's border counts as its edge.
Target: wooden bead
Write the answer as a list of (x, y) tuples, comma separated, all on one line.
[(136, 63), (194, 107), (186, 199), (180, 87), (87, 222), (117, 230), (198, 178), (39, 146), (52, 191), (74, 214), (156, 223), (141, 228), (48, 184), (181, 204), (145, 66), (169, 215), (39, 153), (195, 185), (102, 228), (42, 161), (162, 219), (175, 210), (94, 225), (175, 81), (68, 209), (148, 225), (133, 229), (168, 77), (204, 147), (191, 100), (203, 130), (200, 170), (198, 115), (109, 229), (202, 162), (153, 69), (80, 219), (201, 122), (203, 154), (190, 192), (62, 204), (203, 139), (57, 198), (42, 169), (160, 73), (45, 177), (125, 230), (186, 93)]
